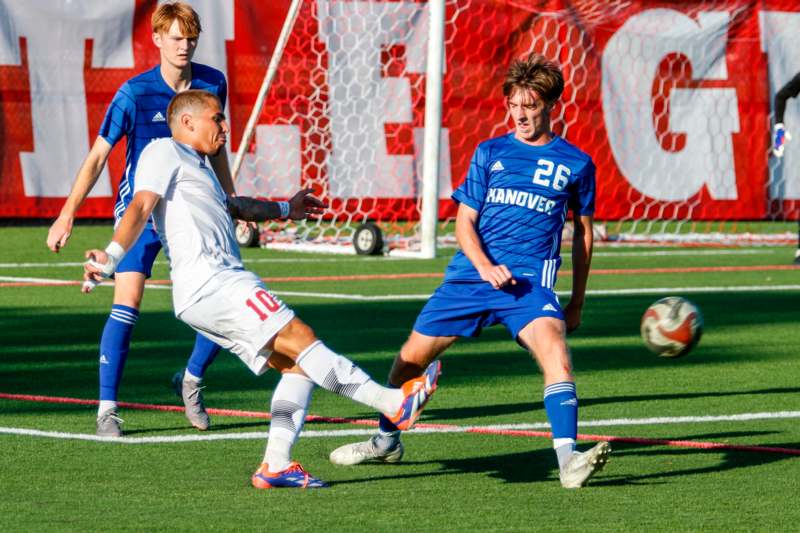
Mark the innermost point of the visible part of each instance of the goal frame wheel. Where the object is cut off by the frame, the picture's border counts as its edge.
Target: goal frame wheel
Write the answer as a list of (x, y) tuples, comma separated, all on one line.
[(246, 234), (368, 239)]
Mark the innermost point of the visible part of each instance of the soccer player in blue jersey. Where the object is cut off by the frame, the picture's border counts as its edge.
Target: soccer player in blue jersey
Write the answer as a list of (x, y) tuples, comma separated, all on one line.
[(138, 112), (512, 208)]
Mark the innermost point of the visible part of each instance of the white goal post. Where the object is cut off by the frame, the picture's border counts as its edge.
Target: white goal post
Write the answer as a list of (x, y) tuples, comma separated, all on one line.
[(379, 105), (345, 233)]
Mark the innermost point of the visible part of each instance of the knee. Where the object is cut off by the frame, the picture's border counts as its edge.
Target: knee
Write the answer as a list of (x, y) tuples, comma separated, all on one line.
[(410, 362), (129, 289), (413, 354), (295, 337)]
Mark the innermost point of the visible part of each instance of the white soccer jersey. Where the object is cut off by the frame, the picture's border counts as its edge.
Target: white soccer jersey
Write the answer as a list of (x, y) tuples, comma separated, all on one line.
[(191, 218)]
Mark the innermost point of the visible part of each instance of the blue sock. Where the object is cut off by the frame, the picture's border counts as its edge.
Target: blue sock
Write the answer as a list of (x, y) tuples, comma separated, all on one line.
[(114, 346), (385, 425), (561, 404), (202, 356), (388, 436)]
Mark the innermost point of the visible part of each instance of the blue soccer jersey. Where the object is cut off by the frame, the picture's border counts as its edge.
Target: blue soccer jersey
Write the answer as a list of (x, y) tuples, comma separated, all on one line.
[(522, 194), (139, 112)]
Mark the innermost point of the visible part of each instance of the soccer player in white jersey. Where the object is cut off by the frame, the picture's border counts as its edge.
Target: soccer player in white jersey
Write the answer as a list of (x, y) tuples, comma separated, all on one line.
[(512, 208), (138, 113), (781, 134), (215, 295)]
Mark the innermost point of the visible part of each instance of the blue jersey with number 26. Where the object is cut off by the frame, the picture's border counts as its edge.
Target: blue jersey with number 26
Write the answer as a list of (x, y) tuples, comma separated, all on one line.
[(522, 194)]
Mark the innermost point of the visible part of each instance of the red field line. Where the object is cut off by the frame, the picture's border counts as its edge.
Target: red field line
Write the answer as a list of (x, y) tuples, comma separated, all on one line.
[(436, 275), (373, 423)]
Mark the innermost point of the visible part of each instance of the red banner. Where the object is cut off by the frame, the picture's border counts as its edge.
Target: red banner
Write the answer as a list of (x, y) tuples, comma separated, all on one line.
[(672, 100)]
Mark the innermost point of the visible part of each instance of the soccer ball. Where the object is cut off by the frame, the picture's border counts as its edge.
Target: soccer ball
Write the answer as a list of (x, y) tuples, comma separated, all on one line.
[(672, 326)]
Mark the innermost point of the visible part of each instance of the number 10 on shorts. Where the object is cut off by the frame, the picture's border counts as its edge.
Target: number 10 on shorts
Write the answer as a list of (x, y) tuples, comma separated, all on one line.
[(263, 304)]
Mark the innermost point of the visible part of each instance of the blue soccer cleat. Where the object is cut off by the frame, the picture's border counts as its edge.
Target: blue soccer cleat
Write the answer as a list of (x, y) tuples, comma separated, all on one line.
[(417, 392), (294, 476)]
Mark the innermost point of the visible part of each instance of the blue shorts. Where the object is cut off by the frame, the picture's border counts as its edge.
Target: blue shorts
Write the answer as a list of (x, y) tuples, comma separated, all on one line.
[(463, 309), (142, 254)]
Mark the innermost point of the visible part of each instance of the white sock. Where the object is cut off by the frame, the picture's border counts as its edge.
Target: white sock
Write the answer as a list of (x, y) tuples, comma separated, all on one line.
[(338, 374), (288, 409), (105, 405), (564, 449), (188, 376)]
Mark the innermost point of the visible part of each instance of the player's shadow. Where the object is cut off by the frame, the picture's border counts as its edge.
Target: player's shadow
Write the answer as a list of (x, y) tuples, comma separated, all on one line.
[(731, 460), (262, 425), (539, 466), (460, 413)]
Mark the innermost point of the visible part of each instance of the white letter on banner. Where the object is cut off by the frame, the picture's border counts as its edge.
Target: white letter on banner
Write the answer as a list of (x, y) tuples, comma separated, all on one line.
[(708, 117), (779, 31), (56, 34), (361, 101)]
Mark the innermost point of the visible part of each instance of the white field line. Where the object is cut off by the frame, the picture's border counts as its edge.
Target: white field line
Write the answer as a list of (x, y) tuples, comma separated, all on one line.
[(396, 297), (658, 253), (261, 435), (280, 260), (48, 281), (276, 260), (590, 292)]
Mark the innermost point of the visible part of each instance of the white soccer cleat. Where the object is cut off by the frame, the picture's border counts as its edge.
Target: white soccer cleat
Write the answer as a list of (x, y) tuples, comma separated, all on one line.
[(192, 396), (361, 452), (583, 465), (109, 424)]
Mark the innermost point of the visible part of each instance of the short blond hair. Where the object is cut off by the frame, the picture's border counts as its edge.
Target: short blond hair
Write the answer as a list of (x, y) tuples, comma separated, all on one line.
[(192, 101), (535, 73), (188, 19)]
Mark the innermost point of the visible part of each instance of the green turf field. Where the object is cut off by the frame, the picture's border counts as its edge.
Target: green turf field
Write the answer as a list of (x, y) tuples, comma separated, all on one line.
[(748, 363)]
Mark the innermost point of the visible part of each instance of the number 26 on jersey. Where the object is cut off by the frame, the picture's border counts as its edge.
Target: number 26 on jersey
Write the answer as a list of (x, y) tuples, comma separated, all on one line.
[(546, 177)]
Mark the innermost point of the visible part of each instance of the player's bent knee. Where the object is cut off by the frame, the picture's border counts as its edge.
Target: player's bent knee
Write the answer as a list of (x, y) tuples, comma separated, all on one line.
[(295, 337), (282, 363), (422, 349)]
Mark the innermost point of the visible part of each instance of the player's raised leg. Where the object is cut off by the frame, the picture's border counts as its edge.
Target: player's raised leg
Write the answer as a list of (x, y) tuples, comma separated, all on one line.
[(188, 382), (545, 338), (254, 323), (338, 374), (385, 446)]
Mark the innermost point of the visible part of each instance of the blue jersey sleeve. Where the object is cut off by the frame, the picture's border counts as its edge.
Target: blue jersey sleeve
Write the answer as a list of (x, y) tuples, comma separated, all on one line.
[(581, 200), (120, 117), (473, 191)]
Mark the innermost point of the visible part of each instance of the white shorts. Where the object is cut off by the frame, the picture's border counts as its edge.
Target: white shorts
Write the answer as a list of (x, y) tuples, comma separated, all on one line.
[(237, 311)]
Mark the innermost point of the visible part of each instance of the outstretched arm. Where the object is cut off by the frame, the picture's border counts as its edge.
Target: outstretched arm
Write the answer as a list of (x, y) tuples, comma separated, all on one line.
[(300, 206), (582, 245), (472, 246), (780, 134), (102, 263), (790, 90), (92, 166)]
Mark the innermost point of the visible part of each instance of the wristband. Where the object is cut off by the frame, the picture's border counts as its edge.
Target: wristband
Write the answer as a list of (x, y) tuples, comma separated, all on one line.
[(115, 253), (284, 207)]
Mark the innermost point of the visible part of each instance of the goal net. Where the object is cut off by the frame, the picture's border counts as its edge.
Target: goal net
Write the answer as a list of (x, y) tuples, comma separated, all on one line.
[(661, 98)]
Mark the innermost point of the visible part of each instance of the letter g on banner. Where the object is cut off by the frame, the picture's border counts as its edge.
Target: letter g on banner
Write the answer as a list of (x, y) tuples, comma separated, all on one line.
[(707, 116)]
